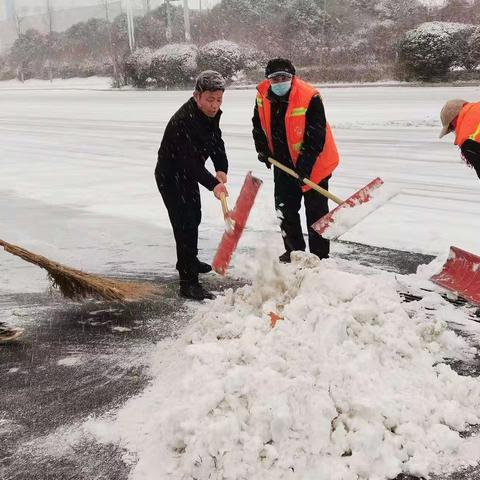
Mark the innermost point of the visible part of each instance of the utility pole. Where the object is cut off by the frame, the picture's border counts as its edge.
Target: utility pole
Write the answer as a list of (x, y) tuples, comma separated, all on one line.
[(168, 33), (186, 18), (324, 22), (49, 16), (113, 55), (200, 5), (50, 30), (147, 6), (130, 26)]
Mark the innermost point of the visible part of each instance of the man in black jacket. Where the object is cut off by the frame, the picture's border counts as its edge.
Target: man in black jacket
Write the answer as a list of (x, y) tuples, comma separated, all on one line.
[(280, 74), (191, 137)]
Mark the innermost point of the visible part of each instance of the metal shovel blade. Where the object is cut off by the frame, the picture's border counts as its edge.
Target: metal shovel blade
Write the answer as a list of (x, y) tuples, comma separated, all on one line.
[(239, 216), (461, 275), (351, 211)]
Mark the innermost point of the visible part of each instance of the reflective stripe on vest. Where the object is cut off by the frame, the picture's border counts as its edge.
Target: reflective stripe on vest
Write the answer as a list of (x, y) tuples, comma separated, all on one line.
[(475, 134), (298, 112)]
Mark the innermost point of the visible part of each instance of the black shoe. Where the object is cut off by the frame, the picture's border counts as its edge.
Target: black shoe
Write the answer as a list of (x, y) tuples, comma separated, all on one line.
[(285, 258), (194, 291), (203, 267)]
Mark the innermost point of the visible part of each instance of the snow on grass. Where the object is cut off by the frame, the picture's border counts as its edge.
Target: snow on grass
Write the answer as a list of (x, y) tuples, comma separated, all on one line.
[(346, 386)]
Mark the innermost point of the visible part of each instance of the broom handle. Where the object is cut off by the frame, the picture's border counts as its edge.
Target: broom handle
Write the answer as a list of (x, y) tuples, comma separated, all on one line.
[(306, 181)]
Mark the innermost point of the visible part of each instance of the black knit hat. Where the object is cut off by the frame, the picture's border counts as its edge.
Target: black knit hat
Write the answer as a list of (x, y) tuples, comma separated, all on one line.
[(279, 65)]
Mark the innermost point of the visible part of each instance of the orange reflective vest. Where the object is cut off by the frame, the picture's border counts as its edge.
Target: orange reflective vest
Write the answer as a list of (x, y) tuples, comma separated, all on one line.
[(300, 95), (468, 124)]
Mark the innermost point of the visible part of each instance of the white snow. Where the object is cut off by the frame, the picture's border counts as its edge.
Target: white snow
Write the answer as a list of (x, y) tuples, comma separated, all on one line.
[(94, 151), (70, 361), (346, 386)]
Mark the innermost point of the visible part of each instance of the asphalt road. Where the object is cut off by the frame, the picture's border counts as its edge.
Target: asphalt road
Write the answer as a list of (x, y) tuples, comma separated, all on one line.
[(78, 359)]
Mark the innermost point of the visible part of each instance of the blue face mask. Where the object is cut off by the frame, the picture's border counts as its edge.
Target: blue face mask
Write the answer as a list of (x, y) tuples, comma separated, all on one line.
[(282, 88)]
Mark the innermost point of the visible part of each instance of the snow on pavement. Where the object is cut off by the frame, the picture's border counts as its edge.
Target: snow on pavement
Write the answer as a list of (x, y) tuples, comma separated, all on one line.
[(347, 385), (95, 151), (351, 383)]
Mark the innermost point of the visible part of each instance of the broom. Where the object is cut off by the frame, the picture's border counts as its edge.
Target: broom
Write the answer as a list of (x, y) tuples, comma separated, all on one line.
[(76, 284)]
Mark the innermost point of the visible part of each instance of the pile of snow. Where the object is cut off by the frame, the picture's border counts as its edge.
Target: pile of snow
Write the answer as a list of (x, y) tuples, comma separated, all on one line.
[(347, 385)]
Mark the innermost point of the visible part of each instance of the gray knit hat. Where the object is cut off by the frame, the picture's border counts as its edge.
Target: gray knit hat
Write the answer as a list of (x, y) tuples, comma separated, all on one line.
[(449, 111), (209, 81)]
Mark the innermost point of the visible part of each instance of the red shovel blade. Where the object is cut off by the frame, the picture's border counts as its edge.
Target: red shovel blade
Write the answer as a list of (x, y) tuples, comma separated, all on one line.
[(344, 217), (239, 215), (461, 274)]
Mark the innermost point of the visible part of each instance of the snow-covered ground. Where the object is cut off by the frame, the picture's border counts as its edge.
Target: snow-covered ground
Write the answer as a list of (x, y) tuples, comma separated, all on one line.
[(96, 151), (351, 382)]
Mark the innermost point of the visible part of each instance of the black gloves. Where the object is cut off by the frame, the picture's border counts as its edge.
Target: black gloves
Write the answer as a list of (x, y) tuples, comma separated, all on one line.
[(302, 170), (264, 159)]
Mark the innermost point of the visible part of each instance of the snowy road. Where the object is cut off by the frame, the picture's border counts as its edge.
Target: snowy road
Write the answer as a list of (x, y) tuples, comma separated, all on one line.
[(77, 186), (95, 151)]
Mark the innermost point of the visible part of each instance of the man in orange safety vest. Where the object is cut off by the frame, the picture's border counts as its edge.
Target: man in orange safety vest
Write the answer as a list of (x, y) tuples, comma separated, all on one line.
[(463, 118), (289, 125)]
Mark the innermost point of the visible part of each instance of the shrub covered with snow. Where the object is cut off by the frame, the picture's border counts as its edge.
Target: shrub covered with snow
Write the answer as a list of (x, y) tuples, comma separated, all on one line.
[(223, 56), (253, 59), (174, 65), (6, 73), (429, 50), (137, 67), (474, 47)]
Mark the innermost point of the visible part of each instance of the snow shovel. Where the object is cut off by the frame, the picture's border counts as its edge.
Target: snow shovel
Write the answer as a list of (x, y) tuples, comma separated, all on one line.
[(235, 221), (461, 274), (348, 212)]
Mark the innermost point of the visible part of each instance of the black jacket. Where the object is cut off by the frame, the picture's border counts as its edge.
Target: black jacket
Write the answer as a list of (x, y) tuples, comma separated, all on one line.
[(189, 139), (471, 153), (313, 140)]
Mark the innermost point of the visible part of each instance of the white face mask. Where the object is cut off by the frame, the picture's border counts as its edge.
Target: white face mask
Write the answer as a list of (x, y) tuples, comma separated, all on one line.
[(282, 88)]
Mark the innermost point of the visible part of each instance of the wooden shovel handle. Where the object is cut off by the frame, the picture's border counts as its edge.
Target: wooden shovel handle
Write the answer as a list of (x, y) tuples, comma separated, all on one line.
[(306, 181), (223, 201)]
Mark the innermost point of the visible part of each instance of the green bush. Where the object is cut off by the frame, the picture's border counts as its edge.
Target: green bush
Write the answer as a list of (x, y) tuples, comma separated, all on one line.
[(474, 47), (174, 65), (137, 67), (223, 56), (430, 50)]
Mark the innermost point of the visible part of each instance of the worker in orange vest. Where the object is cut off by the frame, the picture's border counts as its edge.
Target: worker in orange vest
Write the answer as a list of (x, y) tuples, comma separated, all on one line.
[(463, 118), (289, 125)]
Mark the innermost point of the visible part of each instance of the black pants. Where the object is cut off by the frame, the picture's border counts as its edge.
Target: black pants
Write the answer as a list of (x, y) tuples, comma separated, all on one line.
[(288, 198), (471, 153), (474, 161), (182, 200)]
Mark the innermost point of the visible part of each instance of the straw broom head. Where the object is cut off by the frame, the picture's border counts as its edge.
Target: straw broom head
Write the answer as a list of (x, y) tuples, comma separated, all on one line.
[(76, 284)]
